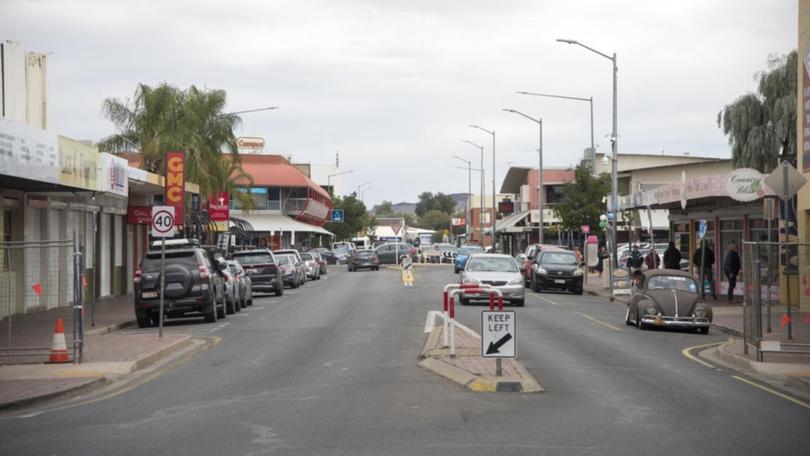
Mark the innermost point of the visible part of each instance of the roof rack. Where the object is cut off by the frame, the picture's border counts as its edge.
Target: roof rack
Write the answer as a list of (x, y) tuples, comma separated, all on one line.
[(176, 243)]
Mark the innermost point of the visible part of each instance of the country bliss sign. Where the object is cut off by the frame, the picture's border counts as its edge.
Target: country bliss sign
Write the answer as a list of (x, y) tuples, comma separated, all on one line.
[(745, 184)]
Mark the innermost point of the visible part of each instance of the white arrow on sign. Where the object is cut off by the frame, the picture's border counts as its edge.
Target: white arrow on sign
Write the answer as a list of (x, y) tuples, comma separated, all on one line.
[(498, 333)]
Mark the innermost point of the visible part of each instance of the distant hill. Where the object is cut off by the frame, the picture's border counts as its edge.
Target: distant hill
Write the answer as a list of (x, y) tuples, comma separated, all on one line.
[(410, 208)]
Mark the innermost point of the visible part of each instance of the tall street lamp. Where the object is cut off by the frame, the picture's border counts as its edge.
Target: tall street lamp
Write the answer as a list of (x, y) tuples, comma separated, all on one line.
[(494, 203), (469, 194), (329, 180), (614, 141), (269, 108), (481, 198), (363, 194), (362, 185), (590, 101), (539, 122)]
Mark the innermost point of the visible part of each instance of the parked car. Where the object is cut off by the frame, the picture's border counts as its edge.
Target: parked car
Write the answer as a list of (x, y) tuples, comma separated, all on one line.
[(532, 253), (363, 259), (387, 253), (194, 284), (292, 270), (320, 260), (298, 262), (232, 299), (556, 269), (341, 253), (327, 255), (463, 253), (498, 270), (260, 265), (668, 298), (245, 286), (311, 266)]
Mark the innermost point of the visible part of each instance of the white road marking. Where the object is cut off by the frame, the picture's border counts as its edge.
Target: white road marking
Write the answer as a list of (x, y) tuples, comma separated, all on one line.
[(547, 300)]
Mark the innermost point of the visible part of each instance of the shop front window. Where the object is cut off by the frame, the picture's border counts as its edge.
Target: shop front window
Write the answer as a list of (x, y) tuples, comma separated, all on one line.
[(730, 231)]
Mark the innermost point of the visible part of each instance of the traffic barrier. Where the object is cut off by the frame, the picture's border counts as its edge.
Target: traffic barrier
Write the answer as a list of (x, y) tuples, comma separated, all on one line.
[(449, 307), (59, 353)]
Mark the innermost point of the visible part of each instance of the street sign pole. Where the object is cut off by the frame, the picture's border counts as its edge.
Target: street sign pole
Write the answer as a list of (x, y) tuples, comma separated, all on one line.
[(162, 284), (162, 227)]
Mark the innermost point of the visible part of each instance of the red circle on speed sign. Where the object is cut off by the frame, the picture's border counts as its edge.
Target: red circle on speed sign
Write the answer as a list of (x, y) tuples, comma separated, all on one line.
[(163, 221)]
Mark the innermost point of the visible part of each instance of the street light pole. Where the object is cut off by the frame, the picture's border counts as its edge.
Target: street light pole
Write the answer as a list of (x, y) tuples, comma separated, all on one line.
[(480, 198), (361, 186), (494, 203), (363, 194), (540, 188), (614, 146), (468, 212), (590, 102), (329, 180), (269, 108)]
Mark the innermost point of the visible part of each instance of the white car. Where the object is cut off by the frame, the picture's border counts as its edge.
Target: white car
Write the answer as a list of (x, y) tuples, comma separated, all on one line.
[(499, 271)]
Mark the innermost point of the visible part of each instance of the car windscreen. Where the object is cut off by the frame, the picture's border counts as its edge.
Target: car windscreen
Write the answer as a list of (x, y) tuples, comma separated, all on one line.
[(469, 250), (306, 257), (559, 258), (285, 259), (253, 258), (364, 253), (340, 250), (491, 264), (236, 266), (187, 258), (666, 282)]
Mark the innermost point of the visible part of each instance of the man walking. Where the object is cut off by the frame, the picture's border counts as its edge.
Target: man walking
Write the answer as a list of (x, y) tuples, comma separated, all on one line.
[(731, 267), (672, 257), (708, 267)]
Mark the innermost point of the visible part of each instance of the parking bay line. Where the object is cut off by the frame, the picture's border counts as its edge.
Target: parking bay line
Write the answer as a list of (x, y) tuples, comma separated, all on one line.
[(772, 391)]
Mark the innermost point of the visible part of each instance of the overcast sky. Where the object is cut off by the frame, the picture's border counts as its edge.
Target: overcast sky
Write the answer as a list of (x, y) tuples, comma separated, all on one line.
[(393, 84)]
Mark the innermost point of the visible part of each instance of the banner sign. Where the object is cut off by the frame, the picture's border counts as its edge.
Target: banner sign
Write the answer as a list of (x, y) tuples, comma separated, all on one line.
[(114, 175), (455, 221), (139, 215), (28, 152), (745, 184), (176, 184), (218, 207)]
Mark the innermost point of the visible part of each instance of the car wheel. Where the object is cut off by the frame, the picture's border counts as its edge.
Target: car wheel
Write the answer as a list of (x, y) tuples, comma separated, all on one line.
[(280, 291), (627, 317), (250, 302), (144, 322), (535, 285), (578, 291), (519, 302), (211, 314), (230, 306), (639, 324), (704, 330), (222, 311), (455, 270), (463, 301)]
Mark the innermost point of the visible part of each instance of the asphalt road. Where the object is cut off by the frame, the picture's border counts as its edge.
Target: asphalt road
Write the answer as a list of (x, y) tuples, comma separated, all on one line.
[(332, 370)]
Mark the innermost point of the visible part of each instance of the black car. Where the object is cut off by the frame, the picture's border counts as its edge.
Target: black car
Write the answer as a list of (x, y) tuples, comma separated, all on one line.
[(327, 255), (194, 284), (556, 269), (363, 259), (260, 265)]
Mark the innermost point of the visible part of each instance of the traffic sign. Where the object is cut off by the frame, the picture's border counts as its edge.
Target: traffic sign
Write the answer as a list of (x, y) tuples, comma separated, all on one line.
[(498, 333), (395, 228), (785, 180), (337, 215), (163, 221)]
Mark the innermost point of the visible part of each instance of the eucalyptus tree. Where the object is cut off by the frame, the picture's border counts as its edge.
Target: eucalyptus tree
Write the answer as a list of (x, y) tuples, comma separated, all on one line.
[(761, 125)]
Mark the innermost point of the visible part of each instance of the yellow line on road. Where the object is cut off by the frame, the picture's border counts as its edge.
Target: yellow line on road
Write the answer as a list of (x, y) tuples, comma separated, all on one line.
[(687, 352), (607, 325), (547, 300), (772, 391)]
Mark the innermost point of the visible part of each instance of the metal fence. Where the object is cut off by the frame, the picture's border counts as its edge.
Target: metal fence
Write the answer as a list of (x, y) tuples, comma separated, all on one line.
[(776, 308), (40, 281)]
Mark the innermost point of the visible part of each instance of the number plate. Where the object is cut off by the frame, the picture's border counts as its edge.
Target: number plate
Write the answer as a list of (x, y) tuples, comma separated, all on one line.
[(559, 281), (150, 294)]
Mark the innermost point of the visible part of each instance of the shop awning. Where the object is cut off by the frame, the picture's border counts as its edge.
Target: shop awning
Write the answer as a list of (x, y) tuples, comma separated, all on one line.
[(508, 223), (279, 223)]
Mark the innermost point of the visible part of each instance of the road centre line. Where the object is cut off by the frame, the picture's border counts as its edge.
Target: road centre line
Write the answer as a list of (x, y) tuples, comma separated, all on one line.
[(607, 325), (772, 391), (687, 352), (547, 300)]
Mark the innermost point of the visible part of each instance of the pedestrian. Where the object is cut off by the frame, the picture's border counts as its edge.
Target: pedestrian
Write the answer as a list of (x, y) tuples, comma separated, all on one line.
[(652, 260), (708, 267), (731, 267), (672, 257), (634, 263), (600, 260), (578, 255)]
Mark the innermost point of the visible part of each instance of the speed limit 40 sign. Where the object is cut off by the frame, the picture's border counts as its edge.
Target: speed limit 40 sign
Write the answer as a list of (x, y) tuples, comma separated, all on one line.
[(163, 221)]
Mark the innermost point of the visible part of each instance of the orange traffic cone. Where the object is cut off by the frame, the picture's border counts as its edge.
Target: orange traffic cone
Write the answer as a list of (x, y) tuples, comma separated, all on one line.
[(59, 353)]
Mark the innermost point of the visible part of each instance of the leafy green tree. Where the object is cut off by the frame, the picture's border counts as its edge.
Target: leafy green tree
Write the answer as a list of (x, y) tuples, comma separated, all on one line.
[(385, 209), (582, 199), (759, 125), (434, 219), (355, 217), (440, 202), (426, 203)]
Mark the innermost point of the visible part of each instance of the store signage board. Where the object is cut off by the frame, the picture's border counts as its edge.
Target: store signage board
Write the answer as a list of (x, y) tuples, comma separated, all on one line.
[(745, 184), (176, 183), (498, 333)]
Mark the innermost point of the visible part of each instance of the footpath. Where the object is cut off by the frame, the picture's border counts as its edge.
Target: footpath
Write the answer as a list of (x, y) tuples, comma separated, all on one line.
[(26, 377), (788, 371)]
